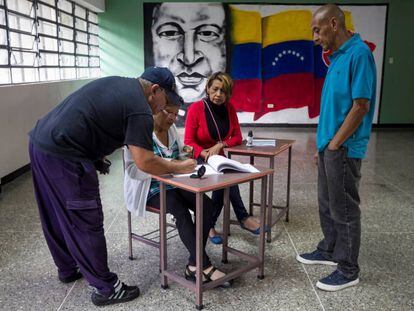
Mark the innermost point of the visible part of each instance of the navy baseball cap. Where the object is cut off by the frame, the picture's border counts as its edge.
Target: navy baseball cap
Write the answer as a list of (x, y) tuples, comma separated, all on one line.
[(165, 79)]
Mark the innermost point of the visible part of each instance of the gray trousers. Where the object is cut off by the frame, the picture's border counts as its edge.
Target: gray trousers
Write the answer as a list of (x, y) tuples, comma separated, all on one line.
[(340, 216)]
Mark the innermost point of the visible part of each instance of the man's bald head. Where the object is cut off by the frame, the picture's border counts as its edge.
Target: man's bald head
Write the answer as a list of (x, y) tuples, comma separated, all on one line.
[(328, 27), (327, 12)]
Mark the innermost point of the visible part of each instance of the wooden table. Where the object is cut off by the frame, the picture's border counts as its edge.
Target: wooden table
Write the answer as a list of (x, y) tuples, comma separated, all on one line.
[(199, 187), (271, 153)]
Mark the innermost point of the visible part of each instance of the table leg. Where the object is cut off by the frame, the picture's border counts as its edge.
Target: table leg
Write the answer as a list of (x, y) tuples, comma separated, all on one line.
[(228, 233), (131, 257), (163, 236), (199, 251), (270, 206), (251, 190), (263, 203), (226, 223), (288, 184)]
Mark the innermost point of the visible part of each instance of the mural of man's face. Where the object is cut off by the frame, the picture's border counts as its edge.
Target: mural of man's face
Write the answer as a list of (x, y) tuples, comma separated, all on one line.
[(189, 39)]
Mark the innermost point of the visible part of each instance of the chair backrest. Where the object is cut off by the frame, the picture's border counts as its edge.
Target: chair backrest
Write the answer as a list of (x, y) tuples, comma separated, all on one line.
[(123, 158), (147, 208)]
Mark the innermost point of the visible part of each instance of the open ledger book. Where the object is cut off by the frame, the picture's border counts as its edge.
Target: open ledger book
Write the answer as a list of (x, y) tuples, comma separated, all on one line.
[(218, 164)]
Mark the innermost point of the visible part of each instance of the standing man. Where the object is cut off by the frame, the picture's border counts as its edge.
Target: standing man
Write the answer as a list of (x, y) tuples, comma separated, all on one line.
[(347, 109), (66, 148)]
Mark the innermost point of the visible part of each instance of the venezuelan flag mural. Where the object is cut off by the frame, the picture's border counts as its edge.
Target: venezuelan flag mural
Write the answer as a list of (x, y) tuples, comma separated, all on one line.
[(293, 69), (275, 63), (268, 50)]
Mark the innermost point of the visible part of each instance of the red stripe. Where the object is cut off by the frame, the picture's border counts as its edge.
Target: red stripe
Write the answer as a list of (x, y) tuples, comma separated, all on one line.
[(291, 91), (247, 95)]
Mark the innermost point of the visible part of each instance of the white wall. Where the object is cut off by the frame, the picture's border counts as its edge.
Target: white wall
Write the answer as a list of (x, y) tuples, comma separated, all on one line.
[(20, 107)]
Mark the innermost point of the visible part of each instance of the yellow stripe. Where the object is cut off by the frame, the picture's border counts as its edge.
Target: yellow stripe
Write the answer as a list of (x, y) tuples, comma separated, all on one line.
[(246, 26), (349, 24), (287, 26)]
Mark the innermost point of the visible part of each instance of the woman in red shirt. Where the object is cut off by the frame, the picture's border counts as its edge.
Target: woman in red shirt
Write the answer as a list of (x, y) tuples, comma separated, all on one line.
[(211, 125)]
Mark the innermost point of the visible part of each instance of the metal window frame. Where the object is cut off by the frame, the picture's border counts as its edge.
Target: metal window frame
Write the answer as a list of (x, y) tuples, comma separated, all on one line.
[(36, 34)]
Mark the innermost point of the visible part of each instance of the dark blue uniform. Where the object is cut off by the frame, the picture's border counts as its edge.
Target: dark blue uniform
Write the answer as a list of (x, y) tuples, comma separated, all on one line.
[(89, 124)]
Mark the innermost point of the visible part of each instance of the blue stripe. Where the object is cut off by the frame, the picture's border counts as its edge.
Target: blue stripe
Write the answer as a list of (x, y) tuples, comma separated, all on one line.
[(246, 61), (320, 68), (292, 57)]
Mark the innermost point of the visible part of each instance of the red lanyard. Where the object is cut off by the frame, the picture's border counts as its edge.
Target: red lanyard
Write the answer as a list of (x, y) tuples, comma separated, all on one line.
[(214, 120)]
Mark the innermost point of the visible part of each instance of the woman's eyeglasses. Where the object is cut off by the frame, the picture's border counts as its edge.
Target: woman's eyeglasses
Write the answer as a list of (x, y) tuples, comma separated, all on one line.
[(170, 115), (200, 172)]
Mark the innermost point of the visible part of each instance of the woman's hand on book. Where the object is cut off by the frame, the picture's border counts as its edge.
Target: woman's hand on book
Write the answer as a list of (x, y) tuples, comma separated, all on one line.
[(216, 149)]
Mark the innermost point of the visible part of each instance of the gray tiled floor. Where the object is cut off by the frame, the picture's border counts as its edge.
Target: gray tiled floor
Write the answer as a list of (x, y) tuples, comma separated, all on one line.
[(28, 276)]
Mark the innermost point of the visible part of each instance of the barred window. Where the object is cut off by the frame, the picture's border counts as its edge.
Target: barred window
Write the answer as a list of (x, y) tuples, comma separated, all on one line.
[(43, 40)]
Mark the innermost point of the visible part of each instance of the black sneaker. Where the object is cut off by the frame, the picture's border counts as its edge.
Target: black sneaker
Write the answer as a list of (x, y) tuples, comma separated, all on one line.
[(71, 278), (314, 258), (124, 294), (336, 281)]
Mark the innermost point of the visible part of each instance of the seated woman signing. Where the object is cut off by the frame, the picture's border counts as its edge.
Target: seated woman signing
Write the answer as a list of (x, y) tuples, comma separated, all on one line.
[(140, 189), (210, 126)]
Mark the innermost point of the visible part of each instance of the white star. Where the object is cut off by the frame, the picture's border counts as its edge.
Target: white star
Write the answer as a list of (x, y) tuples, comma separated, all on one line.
[(273, 64), (289, 51), (297, 54), (280, 54), (276, 59), (301, 58), (284, 52), (293, 53)]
